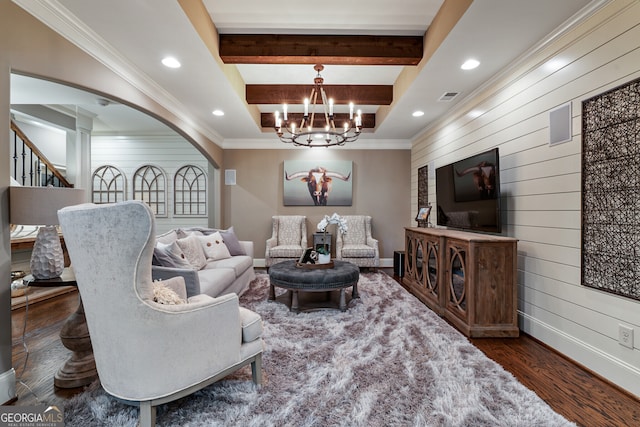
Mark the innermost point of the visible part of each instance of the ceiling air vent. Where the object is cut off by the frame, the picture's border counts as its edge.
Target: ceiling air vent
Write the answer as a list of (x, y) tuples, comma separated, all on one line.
[(448, 96)]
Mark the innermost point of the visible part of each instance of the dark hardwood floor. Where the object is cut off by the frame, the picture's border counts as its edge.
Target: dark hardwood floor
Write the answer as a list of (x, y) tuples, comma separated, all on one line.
[(575, 393)]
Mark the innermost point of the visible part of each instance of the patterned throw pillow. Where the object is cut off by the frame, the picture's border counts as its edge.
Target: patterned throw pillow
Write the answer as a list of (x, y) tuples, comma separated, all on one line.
[(170, 255), (192, 250), (214, 247)]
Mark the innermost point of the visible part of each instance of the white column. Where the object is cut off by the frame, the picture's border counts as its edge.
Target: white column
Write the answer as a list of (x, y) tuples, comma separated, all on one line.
[(79, 152)]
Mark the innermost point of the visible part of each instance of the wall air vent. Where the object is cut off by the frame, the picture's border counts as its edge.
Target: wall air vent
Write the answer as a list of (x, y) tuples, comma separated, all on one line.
[(448, 96)]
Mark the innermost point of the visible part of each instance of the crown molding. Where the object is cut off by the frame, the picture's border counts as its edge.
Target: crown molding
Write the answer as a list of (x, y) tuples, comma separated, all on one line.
[(54, 15)]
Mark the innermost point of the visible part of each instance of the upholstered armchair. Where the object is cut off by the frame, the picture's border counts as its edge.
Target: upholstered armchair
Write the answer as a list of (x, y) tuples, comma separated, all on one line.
[(148, 353), (357, 245), (288, 239)]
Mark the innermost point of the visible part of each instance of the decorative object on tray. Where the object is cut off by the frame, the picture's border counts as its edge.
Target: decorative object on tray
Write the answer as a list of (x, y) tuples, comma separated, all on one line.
[(423, 215), (309, 259), (323, 252)]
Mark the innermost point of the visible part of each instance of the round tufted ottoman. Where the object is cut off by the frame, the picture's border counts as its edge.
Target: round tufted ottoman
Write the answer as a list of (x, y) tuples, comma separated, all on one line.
[(286, 275)]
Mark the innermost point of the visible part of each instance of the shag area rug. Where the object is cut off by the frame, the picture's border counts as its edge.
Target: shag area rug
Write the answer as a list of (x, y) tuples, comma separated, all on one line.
[(387, 361)]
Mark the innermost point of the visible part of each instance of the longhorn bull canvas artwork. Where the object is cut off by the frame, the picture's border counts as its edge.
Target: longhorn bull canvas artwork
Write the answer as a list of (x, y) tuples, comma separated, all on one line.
[(318, 183)]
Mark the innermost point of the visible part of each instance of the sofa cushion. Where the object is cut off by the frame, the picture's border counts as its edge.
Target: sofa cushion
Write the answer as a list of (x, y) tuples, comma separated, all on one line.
[(170, 255), (200, 231), (289, 231), (168, 237), (251, 325), (192, 250), (286, 251), (214, 247), (356, 233), (239, 264), (231, 241), (358, 251), (215, 281)]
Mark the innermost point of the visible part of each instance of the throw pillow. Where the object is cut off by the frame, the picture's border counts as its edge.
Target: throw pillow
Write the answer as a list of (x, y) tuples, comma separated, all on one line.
[(170, 255), (192, 250), (214, 247), (231, 241), (165, 295), (168, 237)]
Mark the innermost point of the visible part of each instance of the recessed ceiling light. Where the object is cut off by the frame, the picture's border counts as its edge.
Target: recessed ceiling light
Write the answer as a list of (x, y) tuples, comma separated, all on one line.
[(218, 113), (418, 113), (470, 64), (171, 62)]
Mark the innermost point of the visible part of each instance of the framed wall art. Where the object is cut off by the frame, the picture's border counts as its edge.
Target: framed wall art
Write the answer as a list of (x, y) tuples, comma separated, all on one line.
[(312, 183), (610, 189)]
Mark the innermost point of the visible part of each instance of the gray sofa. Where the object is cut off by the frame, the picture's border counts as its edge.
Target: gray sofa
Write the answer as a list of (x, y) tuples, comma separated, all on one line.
[(213, 276)]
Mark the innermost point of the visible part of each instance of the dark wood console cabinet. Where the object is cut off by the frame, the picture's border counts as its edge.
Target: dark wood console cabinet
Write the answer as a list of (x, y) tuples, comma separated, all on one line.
[(468, 278)]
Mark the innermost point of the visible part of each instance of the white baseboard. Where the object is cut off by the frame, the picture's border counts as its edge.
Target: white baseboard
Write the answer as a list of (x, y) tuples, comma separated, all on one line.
[(609, 367), (7, 386), (384, 262)]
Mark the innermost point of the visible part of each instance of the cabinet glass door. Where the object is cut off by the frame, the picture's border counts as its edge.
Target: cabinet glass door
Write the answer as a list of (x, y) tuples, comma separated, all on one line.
[(457, 277), (432, 268), (420, 262)]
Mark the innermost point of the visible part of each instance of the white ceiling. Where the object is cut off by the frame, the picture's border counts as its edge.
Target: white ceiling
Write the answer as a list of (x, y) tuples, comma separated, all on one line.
[(132, 36)]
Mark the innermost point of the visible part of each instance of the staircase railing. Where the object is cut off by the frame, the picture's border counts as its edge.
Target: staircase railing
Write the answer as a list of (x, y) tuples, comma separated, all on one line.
[(30, 166)]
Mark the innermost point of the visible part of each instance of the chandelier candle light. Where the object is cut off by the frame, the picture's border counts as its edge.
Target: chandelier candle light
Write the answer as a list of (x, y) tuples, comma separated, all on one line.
[(323, 252), (305, 134)]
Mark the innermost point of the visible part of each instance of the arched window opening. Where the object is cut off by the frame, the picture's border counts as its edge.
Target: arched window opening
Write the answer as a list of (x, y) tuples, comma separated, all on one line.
[(149, 185), (108, 185), (190, 191)]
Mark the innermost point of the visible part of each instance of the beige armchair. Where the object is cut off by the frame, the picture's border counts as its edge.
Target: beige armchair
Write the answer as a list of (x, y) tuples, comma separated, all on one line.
[(357, 245), (148, 353), (288, 239)]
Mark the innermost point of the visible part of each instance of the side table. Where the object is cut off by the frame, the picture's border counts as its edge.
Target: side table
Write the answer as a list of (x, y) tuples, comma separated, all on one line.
[(80, 368), (319, 241)]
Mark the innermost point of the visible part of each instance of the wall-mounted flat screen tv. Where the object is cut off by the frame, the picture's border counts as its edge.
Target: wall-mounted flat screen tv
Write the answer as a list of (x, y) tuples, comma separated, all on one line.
[(468, 193)]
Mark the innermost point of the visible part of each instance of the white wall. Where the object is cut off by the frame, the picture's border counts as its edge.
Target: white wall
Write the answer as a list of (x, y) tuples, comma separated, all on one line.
[(541, 185), (168, 153), (50, 141)]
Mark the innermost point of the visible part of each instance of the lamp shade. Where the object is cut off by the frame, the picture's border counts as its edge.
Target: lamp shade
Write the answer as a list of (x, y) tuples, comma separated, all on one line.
[(40, 205)]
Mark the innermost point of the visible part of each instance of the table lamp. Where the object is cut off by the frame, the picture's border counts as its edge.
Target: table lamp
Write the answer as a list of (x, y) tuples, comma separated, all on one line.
[(39, 206)]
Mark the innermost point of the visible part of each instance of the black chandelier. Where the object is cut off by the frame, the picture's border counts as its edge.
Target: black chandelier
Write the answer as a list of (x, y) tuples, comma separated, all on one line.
[(305, 134)]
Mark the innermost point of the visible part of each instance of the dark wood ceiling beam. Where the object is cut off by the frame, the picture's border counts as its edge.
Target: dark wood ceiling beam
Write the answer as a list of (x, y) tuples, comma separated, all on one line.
[(341, 94), (267, 120), (320, 49)]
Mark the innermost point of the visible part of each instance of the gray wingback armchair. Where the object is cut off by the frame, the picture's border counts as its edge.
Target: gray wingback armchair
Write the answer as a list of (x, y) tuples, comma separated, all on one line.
[(288, 239), (357, 245), (148, 353)]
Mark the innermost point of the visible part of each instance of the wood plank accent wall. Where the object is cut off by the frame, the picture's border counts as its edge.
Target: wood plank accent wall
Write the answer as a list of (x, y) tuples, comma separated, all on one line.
[(169, 153), (541, 184)]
